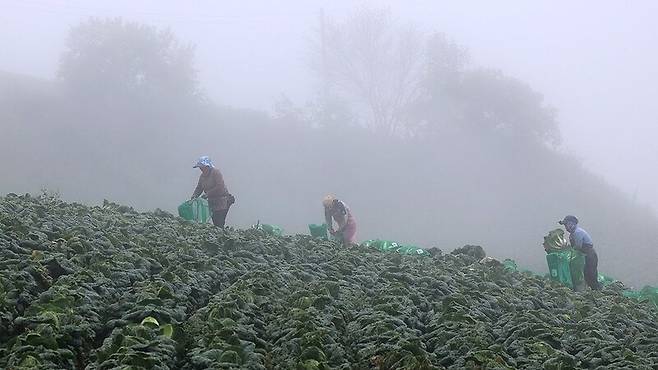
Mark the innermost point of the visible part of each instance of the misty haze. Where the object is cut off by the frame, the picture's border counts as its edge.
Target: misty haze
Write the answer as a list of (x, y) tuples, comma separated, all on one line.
[(441, 125)]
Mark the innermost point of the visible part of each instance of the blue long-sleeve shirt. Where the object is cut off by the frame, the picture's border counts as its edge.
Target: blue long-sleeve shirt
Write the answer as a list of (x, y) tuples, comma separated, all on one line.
[(579, 238)]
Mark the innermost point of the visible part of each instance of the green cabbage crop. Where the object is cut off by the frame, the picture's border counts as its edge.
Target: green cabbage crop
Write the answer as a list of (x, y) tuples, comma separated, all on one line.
[(107, 287)]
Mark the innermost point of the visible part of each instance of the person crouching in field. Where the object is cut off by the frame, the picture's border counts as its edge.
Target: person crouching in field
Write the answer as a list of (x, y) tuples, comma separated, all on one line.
[(336, 210)]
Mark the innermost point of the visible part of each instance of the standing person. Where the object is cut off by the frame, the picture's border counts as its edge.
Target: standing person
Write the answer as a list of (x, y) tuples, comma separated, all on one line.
[(336, 210), (582, 242), (211, 182)]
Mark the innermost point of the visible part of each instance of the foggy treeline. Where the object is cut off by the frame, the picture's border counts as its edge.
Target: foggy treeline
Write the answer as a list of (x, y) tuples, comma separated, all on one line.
[(425, 147)]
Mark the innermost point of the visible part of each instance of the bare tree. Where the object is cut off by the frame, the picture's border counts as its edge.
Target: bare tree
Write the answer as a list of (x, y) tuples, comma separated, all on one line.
[(374, 62)]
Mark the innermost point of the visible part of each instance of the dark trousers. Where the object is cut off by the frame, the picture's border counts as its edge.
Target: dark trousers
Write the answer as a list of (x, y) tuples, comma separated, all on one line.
[(591, 268), (219, 217)]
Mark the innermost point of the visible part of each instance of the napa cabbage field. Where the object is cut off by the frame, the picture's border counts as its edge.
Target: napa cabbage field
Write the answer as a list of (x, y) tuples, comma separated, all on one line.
[(105, 287)]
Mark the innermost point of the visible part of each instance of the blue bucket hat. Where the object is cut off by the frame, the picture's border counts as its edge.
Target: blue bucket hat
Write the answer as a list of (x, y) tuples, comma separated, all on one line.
[(204, 161)]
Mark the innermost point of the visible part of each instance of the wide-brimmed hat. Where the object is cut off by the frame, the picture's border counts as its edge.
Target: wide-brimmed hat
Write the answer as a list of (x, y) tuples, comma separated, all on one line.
[(328, 201)]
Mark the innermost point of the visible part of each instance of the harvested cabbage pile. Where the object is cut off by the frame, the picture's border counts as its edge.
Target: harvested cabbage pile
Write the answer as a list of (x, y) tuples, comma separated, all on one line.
[(107, 287)]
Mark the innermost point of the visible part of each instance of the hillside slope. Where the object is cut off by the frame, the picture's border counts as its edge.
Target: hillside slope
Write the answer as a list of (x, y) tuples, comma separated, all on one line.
[(457, 188)]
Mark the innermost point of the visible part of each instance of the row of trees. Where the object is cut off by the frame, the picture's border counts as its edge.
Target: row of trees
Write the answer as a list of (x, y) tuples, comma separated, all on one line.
[(372, 71)]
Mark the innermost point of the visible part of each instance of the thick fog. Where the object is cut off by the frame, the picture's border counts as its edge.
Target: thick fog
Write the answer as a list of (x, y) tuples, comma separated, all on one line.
[(439, 123)]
